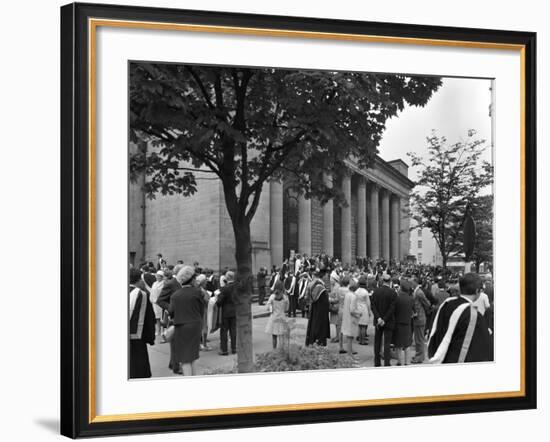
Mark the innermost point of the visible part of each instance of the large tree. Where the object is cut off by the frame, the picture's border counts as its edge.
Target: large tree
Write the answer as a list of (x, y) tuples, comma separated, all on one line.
[(247, 126), (451, 178), (482, 213)]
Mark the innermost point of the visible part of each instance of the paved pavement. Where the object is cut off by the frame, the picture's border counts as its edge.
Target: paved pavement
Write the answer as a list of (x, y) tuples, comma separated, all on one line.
[(159, 354)]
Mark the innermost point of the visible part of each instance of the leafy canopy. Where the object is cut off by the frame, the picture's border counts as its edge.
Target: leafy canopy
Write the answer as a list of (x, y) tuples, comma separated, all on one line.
[(452, 176), (248, 125), (482, 212)]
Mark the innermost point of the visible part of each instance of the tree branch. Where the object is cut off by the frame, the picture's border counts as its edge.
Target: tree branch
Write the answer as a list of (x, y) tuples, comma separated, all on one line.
[(196, 170), (201, 86), (218, 90), (254, 206), (239, 123), (267, 171)]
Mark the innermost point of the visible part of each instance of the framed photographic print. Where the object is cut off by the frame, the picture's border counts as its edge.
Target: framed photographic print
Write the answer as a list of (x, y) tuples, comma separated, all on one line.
[(274, 220)]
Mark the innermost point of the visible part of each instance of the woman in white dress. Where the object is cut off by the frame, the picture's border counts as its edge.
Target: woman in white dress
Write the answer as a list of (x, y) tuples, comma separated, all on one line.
[(277, 324), (350, 316), (363, 303)]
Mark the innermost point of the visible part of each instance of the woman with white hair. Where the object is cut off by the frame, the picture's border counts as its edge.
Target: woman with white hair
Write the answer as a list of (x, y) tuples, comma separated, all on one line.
[(350, 315), (187, 311)]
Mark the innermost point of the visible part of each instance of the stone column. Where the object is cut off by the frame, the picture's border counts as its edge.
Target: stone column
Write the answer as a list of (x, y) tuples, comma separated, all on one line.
[(304, 225), (346, 220), (276, 222), (385, 224), (394, 207), (328, 221), (362, 218), (405, 225), (399, 229), (374, 232)]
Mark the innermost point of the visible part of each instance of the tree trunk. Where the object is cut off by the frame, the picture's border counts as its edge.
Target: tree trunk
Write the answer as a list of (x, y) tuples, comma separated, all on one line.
[(243, 257)]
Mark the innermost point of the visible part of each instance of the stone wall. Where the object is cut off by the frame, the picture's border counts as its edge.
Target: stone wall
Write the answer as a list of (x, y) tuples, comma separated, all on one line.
[(226, 244), (405, 226), (186, 228), (337, 216), (136, 214), (353, 224), (316, 227), (259, 232)]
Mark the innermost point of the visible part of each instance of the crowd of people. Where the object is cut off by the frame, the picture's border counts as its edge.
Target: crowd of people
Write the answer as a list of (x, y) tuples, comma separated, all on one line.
[(418, 312)]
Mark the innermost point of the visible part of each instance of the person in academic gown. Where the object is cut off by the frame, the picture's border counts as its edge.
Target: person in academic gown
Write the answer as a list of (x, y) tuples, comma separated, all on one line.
[(383, 308), (459, 332), (318, 325), (261, 283), (302, 287), (275, 277), (142, 328), (291, 291)]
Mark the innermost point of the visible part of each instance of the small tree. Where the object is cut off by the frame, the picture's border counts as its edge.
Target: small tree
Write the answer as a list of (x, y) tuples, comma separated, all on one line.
[(247, 126), (450, 177)]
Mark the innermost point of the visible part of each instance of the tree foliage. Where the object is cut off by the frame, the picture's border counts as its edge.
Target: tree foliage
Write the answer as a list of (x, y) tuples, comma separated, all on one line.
[(482, 212), (451, 177), (248, 125)]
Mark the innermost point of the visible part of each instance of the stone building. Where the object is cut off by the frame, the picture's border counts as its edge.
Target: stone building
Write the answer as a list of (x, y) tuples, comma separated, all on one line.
[(424, 247), (198, 227)]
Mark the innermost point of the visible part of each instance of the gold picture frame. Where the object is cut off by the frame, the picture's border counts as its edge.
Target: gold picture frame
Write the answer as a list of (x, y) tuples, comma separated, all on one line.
[(79, 54)]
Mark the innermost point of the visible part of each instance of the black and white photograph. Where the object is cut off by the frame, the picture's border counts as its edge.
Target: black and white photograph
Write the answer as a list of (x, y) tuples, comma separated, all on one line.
[(264, 221), (294, 219)]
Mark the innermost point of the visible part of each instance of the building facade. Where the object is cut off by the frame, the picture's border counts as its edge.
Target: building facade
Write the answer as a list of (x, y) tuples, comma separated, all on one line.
[(375, 223), (424, 247)]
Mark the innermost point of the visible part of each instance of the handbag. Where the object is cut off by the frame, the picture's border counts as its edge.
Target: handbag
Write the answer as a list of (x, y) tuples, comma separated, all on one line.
[(169, 333), (165, 319)]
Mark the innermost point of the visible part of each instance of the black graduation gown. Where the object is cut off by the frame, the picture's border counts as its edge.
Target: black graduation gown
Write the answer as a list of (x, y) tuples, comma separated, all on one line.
[(139, 356), (290, 285), (480, 347), (318, 325), (301, 290)]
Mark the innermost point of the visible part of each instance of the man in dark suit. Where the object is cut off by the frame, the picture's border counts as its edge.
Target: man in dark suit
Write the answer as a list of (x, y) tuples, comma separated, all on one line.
[(229, 314), (383, 307), (261, 281)]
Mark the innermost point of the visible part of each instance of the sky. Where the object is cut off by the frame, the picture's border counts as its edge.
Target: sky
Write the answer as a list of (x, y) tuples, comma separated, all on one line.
[(459, 105)]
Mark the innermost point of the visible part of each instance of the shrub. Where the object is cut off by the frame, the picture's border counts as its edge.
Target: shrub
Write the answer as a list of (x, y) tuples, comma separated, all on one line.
[(221, 370), (296, 358)]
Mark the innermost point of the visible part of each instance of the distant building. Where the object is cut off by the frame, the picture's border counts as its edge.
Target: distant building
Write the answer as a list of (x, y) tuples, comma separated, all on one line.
[(198, 227), (424, 247)]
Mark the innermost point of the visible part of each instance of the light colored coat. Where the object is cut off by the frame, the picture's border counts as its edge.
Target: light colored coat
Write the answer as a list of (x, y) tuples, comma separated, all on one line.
[(350, 314), (363, 303)]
